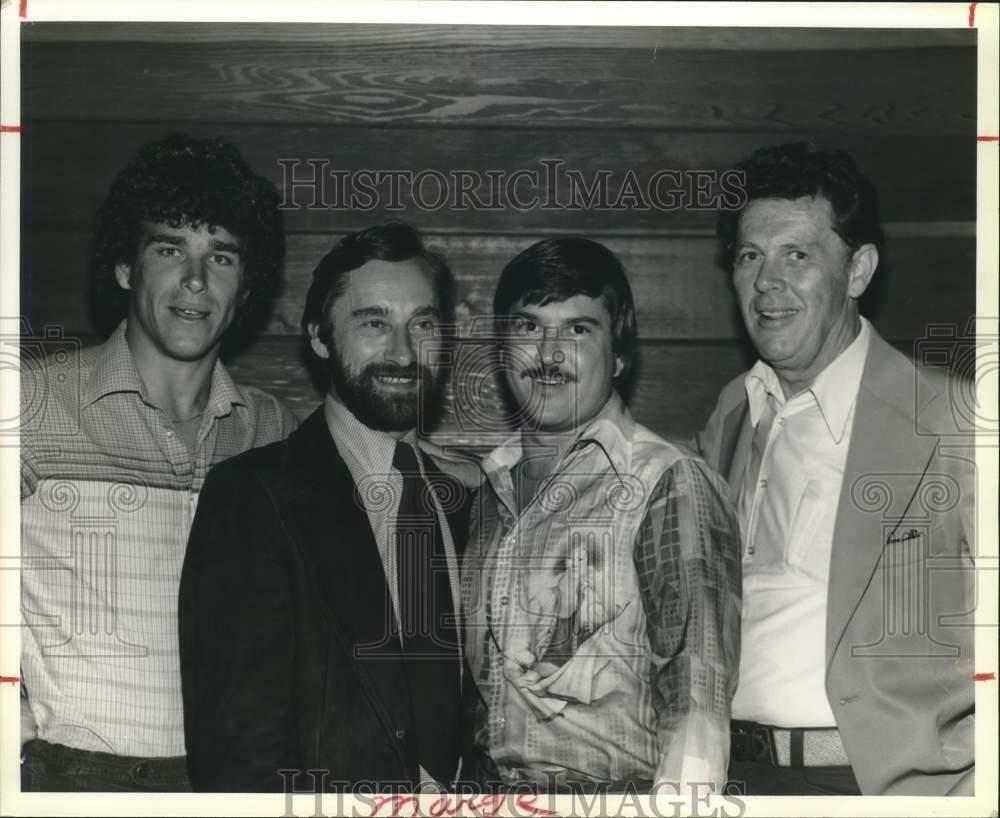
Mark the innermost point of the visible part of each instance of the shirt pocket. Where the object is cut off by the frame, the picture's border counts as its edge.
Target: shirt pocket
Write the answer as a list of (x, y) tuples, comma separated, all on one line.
[(807, 548)]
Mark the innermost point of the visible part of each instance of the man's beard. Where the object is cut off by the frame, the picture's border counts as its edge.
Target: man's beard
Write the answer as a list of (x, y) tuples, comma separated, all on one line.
[(361, 394)]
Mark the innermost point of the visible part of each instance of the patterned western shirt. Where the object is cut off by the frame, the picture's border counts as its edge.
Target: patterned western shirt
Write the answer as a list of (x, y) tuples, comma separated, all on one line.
[(108, 493), (602, 620)]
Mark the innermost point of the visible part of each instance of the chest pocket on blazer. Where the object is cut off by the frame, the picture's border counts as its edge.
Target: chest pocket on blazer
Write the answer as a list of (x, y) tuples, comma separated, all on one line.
[(911, 545)]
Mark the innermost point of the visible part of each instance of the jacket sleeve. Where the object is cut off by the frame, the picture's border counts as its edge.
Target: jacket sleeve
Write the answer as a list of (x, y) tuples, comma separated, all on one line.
[(237, 639)]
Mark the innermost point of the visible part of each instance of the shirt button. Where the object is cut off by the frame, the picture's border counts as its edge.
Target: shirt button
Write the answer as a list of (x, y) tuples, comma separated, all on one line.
[(400, 734), (505, 600), (140, 771), (751, 550), (763, 484)]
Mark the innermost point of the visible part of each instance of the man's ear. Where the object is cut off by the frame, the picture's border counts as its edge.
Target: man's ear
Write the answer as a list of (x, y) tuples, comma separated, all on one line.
[(619, 366), (317, 345), (861, 269), (123, 273)]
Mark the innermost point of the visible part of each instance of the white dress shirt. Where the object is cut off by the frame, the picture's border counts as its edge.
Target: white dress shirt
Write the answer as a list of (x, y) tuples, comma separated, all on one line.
[(787, 518), (368, 454)]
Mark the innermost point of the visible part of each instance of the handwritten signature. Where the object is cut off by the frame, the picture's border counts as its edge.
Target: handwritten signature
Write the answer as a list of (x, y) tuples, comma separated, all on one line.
[(912, 534), (484, 806)]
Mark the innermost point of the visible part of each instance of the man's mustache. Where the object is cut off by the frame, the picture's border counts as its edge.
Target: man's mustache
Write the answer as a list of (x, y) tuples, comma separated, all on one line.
[(547, 372), (396, 371)]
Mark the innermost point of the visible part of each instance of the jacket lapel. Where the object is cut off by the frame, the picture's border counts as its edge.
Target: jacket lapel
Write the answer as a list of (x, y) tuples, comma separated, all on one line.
[(736, 436), (885, 464), (339, 548)]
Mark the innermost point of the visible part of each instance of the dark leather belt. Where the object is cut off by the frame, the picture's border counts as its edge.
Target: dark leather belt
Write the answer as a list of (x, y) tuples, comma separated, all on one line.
[(786, 747)]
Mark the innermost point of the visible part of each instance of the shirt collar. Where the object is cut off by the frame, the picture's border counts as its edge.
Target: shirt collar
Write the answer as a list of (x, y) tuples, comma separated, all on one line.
[(835, 389), (611, 430), (114, 371), (367, 451)]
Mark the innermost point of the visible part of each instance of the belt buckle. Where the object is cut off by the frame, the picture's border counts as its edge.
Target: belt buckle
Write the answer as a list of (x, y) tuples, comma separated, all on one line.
[(764, 747), (739, 744), (753, 742)]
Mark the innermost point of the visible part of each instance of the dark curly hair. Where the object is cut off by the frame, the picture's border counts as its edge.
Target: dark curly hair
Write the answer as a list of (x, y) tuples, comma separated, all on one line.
[(183, 181), (800, 169), (559, 268)]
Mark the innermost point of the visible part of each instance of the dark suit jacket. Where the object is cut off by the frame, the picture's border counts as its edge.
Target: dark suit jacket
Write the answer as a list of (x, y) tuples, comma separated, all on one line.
[(899, 641), (282, 589)]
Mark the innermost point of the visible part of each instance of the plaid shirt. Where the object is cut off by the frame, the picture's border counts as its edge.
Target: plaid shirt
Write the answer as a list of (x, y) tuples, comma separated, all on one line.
[(108, 493), (602, 620)]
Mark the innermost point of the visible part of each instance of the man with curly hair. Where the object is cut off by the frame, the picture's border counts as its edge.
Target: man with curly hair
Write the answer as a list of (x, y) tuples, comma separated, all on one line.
[(188, 250)]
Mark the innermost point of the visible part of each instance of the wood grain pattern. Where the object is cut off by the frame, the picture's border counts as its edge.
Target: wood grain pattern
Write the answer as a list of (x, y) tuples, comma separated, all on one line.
[(921, 178), (680, 292), (500, 99), (521, 36), (913, 91)]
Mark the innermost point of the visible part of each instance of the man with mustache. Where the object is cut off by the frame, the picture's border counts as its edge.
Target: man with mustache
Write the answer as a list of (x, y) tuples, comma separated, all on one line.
[(188, 251), (600, 586), (318, 599), (854, 488)]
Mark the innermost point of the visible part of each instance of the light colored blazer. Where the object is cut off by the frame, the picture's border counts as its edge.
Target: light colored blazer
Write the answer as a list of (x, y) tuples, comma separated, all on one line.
[(899, 635)]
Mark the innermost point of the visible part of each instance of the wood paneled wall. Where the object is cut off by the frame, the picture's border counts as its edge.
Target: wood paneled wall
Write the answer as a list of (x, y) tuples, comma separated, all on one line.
[(499, 100)]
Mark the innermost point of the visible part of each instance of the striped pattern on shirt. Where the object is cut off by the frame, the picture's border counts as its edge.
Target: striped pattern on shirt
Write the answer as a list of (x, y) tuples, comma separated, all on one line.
[(108, 493)]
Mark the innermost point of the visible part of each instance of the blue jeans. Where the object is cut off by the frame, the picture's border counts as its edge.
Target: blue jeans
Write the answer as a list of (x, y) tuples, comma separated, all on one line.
[(55, 768)]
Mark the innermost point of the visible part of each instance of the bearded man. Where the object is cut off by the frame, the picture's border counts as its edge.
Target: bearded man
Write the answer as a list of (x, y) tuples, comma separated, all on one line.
[(319, 597)]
